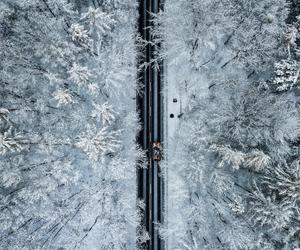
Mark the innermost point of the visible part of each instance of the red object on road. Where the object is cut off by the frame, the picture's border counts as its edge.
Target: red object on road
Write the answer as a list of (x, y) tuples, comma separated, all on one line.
[(156, 151)]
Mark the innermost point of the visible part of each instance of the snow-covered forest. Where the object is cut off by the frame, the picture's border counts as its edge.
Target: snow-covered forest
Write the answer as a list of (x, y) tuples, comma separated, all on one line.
[(234, 167), (68, 124)]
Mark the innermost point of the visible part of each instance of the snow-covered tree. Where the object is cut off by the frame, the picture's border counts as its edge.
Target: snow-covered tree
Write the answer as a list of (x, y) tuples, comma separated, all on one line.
[(104, 113), (287, 74), (63, 97), (10, 142), (235, 65), (80, 36), (99, 20), (53, 74), (99, 144)]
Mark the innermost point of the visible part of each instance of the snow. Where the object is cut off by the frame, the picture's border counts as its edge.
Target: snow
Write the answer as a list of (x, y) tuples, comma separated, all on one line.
[(236, 129), (175, 109), (68, 124)]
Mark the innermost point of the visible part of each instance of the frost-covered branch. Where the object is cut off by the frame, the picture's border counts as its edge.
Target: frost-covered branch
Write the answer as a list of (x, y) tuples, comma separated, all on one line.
[(104, 113), (97, 145), (10, 141)]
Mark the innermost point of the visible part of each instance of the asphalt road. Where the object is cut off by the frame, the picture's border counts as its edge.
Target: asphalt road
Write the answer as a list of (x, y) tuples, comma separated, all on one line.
[(150, 184)]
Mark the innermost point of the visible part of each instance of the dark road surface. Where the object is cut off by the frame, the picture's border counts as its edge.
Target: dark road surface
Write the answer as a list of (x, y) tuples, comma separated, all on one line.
[(150, 184)]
